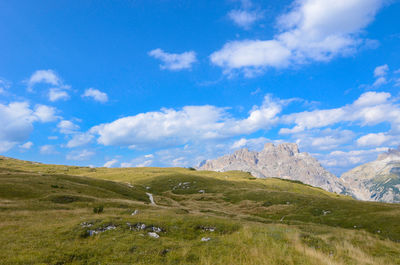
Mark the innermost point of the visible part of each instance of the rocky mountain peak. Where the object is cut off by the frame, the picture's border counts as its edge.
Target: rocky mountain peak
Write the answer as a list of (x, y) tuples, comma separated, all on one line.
[(282, 161), (289, 149), (377, 180), (391, 153)]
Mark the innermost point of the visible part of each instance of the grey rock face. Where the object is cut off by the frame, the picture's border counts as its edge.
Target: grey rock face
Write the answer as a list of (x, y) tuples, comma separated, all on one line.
[(378, 180), (281, 161)]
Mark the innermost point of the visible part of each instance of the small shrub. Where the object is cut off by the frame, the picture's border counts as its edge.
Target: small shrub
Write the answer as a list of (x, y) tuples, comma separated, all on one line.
[(98, 209), (64, 199), (317, 243), (268, 203)]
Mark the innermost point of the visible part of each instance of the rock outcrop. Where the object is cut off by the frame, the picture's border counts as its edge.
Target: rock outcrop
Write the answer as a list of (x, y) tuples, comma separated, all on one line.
[(378, 180), (280, 161)]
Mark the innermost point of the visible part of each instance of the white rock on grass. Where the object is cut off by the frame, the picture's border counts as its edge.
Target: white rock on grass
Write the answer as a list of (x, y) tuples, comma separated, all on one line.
[(135, 212), (205, 239), (153, 235)]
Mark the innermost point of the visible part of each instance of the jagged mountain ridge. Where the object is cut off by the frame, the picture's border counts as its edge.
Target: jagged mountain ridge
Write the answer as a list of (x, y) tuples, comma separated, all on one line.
[(281, 161), (378, 180)]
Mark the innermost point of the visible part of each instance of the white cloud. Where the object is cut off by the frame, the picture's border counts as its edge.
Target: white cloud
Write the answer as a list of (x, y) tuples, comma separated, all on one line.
[(372, 98), (380, 73), (380, 81), (56, 94), (67, 127), (310, 31), (80, 139), (326, 139), (381, 70), (174, 61), (49, 77), (145, 163), (252, 144), (141, 161), (96, 94), (244, 18), (191, 123), (251, 54), (45, 113), (80, 155), (16, 122), (110, 163), (4, 85), (397, 82), (48, 150), (44, 76), (26, 145), (341, 161), (370, 108), (378, 139)]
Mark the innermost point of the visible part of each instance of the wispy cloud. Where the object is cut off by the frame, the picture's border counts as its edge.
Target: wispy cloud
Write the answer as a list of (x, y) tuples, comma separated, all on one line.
[(96, 95), (174, 61), (81, 155), (244, 18), (58, 91)]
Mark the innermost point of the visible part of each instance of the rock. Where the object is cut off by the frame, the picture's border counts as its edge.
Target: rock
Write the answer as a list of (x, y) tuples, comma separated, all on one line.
[(101, 230), (110, 227), (138, 226), (201, 191), (280, 161), (92, 232), (207, 228), (135, 212), (156, 229), (164, 252), (153, 234), (86, 224), (325, 212), (205, 239)]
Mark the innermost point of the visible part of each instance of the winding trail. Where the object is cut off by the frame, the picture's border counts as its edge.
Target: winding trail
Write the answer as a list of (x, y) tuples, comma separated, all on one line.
[(151, 198)]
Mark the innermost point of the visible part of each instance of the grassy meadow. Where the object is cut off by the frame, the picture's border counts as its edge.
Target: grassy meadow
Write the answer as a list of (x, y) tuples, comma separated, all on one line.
[(47, 217)]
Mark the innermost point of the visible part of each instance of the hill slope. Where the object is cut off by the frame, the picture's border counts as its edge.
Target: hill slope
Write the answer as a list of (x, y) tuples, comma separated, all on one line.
[(47, 216)]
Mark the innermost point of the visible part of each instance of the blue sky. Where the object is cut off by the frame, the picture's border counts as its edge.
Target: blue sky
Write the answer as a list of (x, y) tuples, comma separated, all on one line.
[(171, 83)]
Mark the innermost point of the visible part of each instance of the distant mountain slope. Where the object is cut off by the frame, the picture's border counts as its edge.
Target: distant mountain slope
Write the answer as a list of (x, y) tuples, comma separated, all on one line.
[(281, 161), (378, 180)]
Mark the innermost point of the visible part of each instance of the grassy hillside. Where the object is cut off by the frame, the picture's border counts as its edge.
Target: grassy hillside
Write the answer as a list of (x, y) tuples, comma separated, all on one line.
[(47, 217)]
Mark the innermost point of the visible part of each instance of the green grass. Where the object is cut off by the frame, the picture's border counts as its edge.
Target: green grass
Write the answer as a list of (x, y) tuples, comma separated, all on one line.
[(254, 221)]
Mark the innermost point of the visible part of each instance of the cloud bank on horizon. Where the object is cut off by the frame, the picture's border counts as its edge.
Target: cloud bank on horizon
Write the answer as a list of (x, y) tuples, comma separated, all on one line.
[(44, 118)]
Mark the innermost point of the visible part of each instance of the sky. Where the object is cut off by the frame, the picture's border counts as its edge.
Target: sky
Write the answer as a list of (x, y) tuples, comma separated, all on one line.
[(172, 83)]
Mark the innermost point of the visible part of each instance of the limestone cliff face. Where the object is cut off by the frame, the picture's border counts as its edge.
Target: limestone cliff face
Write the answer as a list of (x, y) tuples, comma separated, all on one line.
[(378, 180), (281, 161)]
